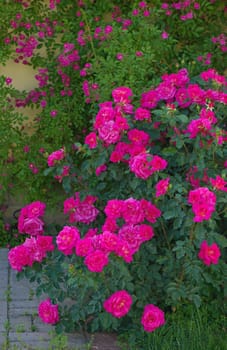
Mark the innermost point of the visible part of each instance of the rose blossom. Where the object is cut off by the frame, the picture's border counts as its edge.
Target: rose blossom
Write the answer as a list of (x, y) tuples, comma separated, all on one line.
[(152, 318), (91, 140), (19, 257), (84, 246), (33, 226), (209, 254), (96, 261), (162, 187), (118, 304), (55, 156), (67, 239), (140, 165), (48, 312)]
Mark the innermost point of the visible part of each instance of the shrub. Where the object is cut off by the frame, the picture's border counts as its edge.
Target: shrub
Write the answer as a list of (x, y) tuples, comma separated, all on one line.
[(134, 135), (149, 224)]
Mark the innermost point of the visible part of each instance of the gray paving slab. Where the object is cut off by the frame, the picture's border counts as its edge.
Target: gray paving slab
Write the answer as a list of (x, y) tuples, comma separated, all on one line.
[(3, 316), (3, 284), (2, 340), (42, 341), (4, 256), (22, 290)]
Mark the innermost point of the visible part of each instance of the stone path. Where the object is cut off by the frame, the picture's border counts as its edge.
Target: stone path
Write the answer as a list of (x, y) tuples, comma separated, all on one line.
[(20, 326)]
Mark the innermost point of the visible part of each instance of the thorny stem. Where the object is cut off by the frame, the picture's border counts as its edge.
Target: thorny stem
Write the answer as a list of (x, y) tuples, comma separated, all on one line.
[(165, 234), (89, 32), (192, 232)]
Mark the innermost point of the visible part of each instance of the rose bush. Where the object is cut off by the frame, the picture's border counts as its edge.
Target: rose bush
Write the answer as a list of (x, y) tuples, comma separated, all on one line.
[(146, 232), (135, 134)]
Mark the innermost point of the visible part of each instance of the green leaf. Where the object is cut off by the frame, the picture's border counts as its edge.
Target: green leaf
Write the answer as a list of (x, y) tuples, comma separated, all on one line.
[(220, 239)]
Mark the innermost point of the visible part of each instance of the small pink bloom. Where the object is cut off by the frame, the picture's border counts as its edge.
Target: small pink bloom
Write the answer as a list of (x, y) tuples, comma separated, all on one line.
[(113, 208), (165, 35), (209, 254), (219, 183), (152, 318), (8, 81), (26, 149), (109, 132), (100, 169), (19, 257), (142, 114), (48, 312), (67, 239), (140, 165), (158, 163), (203, 203), (96, 261), (162, 187), (118, 304), (151, 211), (124, 250), (108, 241), (83, 211), (33, 226), (54, 113), (55, 157), (132, 211), (122, 94), (91, 140), (84, 246)]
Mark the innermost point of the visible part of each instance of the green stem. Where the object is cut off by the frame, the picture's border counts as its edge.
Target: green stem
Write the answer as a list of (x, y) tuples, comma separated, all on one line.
[(191, 236), (165, 235), (89, 31)]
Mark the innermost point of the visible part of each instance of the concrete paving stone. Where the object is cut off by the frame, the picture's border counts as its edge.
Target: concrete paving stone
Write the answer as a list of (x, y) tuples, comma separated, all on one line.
[(76, 339), (27, 306), (39, 325), (29, 340), (21, 323), (41, 340), (4, 254), (21, 290), (3, 290), (3, 315), (2, 340)]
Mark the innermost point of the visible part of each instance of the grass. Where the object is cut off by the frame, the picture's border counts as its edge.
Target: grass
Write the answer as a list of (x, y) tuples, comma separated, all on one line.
[(188, 329)]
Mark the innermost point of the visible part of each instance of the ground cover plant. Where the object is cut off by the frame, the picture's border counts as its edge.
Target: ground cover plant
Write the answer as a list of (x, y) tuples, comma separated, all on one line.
[(132, 138)]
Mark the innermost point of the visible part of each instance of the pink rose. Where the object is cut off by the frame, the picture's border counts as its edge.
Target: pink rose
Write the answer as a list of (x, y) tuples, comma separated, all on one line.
[(140, 165), (100, 169), (48, 312), (84, 246), (152, 318), (96, 261), (209, 254), (130, 234), (142, 114), (162, 187), (132, 211), (118, 304), (33, 226), (109, 132), (67, 239), (85, 213), (91, 140), (19, 257), (121, 94), (55, 156), (108, 241)]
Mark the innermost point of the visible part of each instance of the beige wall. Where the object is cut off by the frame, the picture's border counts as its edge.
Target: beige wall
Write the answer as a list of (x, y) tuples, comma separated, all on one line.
[(23, 79)]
